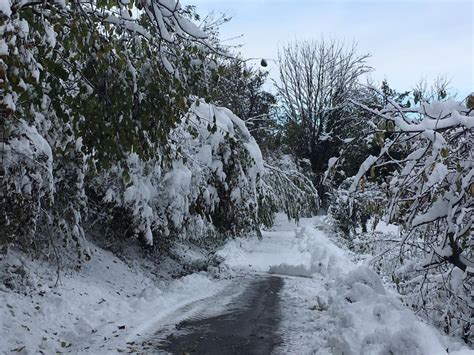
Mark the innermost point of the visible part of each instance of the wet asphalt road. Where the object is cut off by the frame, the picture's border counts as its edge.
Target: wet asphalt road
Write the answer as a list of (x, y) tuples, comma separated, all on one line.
[(249, 327)]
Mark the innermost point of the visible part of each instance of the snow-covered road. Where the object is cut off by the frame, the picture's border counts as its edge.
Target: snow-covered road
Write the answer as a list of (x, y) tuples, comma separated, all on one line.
[(249, 325), (331, 304), (326, 304)]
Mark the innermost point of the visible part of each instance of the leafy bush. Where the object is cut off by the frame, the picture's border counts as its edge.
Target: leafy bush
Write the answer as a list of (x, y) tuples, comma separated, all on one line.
[(209, 189), (430, 196), (351, 213)]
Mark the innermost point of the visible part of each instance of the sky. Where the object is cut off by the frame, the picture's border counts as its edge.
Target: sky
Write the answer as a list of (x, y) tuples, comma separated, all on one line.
[(408, 40)]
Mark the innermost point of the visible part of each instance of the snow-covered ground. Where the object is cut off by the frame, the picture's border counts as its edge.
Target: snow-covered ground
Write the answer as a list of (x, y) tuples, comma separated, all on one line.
[(104, 308), (329, 304)]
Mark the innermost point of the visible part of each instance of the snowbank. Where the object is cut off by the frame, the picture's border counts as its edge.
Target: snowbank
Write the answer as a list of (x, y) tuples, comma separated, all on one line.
[(107, 306), (337, 307), (330, 304)]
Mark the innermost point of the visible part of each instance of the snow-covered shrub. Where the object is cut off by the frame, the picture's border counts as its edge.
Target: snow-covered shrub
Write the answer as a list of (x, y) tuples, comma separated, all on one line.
[(209, 188), (352, 213), (68, 79), (284, 188), (27, 186), (235, 164), (34, 214), (431, 196)]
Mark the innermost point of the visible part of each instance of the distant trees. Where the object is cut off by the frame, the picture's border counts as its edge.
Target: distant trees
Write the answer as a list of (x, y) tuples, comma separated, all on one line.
[(317, 81)]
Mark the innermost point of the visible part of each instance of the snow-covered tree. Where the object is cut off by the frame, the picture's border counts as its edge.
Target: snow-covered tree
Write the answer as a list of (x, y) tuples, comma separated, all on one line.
[(81, 83), (207, 192), (431, 196), (108, 129), (317, 80)]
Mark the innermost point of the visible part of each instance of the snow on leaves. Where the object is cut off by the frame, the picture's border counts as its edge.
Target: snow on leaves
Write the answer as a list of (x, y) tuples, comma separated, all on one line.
[(213, 177), (430, 194)]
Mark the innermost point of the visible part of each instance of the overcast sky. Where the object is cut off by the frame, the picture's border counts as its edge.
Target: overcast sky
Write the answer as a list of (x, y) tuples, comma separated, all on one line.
[(408, 39)]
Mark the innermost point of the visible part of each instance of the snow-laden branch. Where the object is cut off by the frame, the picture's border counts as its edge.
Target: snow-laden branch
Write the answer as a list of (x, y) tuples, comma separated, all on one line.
[(434, 184)]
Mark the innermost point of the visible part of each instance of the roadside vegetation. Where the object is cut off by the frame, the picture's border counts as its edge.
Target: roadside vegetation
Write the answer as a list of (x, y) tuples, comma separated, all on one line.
[(130, 124)]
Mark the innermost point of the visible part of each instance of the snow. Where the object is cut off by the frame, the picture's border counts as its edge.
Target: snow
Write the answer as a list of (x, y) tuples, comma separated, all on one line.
[(161, 24), (331, 162), (50, 35), (129, 25), (3, 47), (436, 138), (329, 303), (190, 28), (170, 4), (5, 7), (96, 311), (168, 66), (437, 115), (9, 101), (383, 227), (438, 174), (437, 210), (364, 167)]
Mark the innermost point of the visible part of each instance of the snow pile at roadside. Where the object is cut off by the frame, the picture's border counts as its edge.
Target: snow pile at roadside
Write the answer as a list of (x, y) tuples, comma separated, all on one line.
[(338, 306), (106, 307)]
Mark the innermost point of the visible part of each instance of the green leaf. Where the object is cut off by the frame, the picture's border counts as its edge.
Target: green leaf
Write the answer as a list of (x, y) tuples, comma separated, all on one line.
[(444, 152), (127, 179)]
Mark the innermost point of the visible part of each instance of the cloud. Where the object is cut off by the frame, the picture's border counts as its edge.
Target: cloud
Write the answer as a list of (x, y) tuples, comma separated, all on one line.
[(407, 39)]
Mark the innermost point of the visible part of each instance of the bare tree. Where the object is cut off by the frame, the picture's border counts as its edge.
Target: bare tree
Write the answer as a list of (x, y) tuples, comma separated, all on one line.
[(317, 79), (439, 90)]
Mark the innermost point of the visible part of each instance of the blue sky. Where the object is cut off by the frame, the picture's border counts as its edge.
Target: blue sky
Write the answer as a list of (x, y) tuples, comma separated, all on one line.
[(408, 40)]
